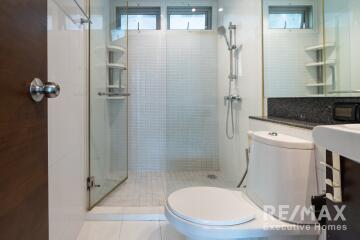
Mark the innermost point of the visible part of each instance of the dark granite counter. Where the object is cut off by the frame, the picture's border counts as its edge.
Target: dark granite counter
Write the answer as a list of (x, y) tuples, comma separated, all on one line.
[(303, 112), (287, 121)]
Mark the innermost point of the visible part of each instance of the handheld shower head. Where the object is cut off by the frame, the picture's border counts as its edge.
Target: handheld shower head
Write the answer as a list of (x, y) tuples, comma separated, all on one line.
[(222, 32)]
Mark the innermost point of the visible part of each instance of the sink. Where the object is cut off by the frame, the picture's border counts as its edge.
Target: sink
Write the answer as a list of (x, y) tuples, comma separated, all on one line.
[(351, 127), (342, 139)]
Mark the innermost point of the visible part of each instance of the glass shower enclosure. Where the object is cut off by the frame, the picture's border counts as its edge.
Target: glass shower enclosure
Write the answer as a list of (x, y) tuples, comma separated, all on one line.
[(108, 101)]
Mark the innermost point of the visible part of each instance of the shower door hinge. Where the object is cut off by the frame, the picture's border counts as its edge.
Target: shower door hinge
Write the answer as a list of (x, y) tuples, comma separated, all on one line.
[(91, 183)]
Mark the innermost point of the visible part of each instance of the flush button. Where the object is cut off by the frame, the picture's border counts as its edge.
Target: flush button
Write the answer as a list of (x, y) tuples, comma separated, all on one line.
[(274, 134)]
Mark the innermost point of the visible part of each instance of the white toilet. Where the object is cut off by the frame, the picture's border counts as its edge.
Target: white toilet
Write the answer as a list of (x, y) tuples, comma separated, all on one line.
[(281, 174)]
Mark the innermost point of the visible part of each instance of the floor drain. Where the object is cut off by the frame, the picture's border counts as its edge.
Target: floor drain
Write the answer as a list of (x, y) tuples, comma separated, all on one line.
[(212, 176)]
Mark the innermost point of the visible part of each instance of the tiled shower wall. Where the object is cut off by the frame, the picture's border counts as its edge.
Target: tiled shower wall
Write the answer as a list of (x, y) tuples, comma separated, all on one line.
[(147, 104), (191, 113), (173, 109)]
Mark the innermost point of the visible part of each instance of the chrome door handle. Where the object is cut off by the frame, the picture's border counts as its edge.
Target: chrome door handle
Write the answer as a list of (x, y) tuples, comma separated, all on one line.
[(38, 90)]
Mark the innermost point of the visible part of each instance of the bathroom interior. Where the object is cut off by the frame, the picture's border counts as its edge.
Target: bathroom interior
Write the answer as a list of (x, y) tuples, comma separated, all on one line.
[(171, 106)]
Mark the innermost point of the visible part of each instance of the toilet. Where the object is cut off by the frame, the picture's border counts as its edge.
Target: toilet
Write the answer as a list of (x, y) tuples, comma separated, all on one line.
[(281, 176)]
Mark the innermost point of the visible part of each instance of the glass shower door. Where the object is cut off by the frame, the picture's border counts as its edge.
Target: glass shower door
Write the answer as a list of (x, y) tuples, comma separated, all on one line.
[(108, 101)]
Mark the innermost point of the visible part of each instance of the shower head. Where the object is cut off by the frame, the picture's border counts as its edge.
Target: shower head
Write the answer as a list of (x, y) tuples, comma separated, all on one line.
[(222, 32)]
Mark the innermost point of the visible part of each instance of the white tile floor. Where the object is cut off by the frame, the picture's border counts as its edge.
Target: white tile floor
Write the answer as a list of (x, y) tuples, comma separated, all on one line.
[(144, 189), (129, 230), (147, 230)]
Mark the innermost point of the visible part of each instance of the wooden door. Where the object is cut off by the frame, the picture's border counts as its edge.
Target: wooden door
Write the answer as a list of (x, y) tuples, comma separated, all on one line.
[(23, 123)]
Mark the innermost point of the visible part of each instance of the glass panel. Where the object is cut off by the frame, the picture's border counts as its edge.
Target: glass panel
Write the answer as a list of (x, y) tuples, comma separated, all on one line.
[(188, 21), (108, 101), (192, 134), (173, 112)]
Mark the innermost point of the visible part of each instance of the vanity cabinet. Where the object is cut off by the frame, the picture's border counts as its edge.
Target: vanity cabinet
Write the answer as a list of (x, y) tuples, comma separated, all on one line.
[(350, 199)]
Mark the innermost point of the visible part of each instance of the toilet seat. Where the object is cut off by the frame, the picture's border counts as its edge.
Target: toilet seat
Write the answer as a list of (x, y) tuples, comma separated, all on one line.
[(180, 212), (210, 206)]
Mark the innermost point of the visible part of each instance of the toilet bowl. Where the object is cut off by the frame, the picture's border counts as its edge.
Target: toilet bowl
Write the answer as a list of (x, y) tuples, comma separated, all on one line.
[(281, 176)]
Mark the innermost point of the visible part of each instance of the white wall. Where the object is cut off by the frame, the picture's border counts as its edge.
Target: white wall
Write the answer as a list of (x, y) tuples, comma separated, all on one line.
[(67, 118), (246, 14)]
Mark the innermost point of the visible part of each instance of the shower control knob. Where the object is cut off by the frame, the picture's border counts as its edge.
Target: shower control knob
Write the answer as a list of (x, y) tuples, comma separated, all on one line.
[(38, 90), (232, 98), (236, 98)]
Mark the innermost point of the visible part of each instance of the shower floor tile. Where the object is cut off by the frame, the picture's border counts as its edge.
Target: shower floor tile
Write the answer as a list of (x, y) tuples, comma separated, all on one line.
[(146, 189)]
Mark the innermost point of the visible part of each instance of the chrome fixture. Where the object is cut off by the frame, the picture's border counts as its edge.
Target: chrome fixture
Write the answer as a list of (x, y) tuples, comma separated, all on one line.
[(333, 81), (234, 51), (38, 90), (87, 18), (345, 91), (91, 183), (84, 20), (232, 98), (212, 176), (110, 94), (222, 32)]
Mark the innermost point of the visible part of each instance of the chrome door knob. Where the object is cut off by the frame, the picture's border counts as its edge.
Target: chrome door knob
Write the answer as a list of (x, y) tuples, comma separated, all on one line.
[(38, 90)]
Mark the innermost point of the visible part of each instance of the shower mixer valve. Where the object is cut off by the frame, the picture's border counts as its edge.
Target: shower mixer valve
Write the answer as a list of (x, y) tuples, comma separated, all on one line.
[(232, 98), (233, 77)]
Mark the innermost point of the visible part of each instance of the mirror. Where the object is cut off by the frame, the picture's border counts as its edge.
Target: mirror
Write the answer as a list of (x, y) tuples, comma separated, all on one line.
[(342, 28), (305, 56)]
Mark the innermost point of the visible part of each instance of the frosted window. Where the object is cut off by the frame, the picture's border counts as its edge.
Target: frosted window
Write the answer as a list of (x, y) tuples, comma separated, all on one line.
[(189, 18), (187, 22), (138, 18), (290, 17), (146, 22), (286, 20)]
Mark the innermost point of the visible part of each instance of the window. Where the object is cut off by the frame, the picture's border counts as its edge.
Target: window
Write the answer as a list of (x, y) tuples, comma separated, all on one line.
[(138, 18), (189, 18), (290, 17)]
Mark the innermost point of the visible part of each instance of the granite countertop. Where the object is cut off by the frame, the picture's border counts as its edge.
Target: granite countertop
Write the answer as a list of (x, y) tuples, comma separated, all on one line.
[(287, 121)]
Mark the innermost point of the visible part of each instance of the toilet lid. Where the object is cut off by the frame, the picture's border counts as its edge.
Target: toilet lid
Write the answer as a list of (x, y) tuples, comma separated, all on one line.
[(210, 206)]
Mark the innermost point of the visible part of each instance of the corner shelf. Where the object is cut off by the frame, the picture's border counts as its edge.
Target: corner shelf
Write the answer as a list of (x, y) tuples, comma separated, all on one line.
[(113, 48), (117, 66), (318, 84), (116, 98), (115, 87), (318, 64), (320, 47)]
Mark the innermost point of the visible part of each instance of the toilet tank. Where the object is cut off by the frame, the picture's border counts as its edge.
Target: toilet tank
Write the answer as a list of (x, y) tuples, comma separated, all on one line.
[(282, 176)]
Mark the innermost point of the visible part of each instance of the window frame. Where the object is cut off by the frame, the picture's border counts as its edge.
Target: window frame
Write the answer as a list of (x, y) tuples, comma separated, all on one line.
[(138, 11), (187, 10), (306, 11)]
